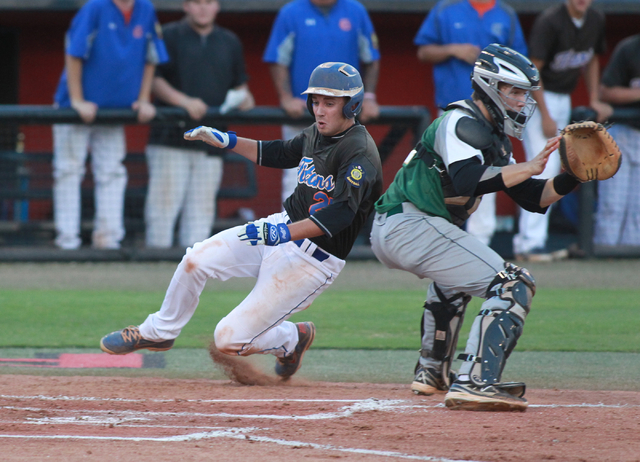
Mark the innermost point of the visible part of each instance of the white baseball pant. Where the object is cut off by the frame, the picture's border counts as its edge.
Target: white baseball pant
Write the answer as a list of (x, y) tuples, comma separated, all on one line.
[(533, 228), (482, 223), (181, 181), (618, 211), (288, 279), (70, 146)]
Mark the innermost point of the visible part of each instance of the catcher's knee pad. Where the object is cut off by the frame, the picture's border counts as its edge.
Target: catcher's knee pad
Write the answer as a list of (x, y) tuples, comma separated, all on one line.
[(448, 319), (515, 285)]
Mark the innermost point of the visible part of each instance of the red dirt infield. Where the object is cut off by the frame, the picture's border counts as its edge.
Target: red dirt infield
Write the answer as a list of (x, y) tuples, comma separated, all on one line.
[(139, 419)]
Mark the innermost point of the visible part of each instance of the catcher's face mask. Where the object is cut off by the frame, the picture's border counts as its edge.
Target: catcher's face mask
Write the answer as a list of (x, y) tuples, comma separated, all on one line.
[(518, 107), (504, 79)]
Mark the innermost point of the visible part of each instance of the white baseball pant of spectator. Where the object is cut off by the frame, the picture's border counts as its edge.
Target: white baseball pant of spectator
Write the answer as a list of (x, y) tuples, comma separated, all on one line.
[(618, 213), (108, 149), (533, 228), (290, 175), (181, 182)]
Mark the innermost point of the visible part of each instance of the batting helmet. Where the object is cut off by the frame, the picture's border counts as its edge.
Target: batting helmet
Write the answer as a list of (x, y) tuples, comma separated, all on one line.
[(337, 79), (497, 64)]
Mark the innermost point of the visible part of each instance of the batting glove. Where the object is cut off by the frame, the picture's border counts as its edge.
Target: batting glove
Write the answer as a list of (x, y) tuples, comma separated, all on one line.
[(261, 232), (212, 136)]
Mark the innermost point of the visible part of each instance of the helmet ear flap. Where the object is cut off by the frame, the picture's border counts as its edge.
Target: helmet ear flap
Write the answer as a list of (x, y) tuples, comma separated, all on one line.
[(310, 106)]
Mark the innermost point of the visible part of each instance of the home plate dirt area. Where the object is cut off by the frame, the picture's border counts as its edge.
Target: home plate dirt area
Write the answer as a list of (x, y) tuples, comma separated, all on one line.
[(138, 419)]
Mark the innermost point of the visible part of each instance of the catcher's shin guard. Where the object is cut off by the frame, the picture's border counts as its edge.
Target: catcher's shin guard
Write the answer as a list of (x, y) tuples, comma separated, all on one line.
[(501, 328), (448, 321)]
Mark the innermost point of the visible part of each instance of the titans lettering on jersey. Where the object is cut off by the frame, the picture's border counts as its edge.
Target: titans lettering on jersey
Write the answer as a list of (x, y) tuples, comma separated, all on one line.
[(307, 175)]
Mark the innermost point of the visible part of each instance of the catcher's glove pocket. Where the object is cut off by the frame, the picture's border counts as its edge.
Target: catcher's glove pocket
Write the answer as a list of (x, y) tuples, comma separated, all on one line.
[(588, 152)]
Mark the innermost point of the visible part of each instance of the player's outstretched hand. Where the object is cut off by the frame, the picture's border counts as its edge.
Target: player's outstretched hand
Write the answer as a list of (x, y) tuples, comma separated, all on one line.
[(262, 232), (212, 136)]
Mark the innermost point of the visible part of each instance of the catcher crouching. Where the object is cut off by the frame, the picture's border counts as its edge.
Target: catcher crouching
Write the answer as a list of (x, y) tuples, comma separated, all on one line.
[(462, 155)]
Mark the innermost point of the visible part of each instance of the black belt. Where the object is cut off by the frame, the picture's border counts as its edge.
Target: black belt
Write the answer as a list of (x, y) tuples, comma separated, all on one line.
[(318, 254), (396, 210)]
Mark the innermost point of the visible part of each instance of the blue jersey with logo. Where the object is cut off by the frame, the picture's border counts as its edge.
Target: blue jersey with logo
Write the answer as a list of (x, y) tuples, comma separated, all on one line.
[(305, 36), (114, 53), (456, 21)]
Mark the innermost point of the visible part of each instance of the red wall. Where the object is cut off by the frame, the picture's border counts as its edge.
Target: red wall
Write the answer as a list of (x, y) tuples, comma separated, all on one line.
[(403, 80)]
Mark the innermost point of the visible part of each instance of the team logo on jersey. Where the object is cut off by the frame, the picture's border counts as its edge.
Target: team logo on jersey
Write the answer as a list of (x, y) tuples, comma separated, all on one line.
[(307, 175), (138, 32), (345, 24), (355, 175)]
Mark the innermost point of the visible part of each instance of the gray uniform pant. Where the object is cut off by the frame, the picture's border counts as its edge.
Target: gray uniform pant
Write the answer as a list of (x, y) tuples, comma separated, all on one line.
[(433, 248)]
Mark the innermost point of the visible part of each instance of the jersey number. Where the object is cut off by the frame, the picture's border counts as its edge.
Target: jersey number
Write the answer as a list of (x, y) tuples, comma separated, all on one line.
[(322, 200)]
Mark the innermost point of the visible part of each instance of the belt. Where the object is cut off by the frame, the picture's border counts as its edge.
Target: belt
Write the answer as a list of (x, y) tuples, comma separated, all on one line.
[(394, 211), (318, 253)]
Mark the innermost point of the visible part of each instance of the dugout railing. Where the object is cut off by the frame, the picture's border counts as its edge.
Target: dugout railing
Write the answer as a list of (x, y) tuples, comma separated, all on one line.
[(26, 175)]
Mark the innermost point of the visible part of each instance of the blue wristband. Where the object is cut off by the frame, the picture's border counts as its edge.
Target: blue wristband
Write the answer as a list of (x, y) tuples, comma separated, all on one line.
[(233, 140)]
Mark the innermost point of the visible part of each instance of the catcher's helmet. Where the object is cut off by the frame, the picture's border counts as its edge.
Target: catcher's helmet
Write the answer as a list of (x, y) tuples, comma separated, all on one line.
[(497, 64), (337, 79)]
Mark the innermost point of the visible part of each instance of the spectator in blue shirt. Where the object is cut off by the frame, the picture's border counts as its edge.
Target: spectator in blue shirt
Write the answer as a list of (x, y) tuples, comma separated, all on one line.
[(451, 38), (112, 48), (307, 33)]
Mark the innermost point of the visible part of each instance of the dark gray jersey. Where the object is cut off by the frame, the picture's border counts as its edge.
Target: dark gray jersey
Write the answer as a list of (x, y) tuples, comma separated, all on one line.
[(565, 48), (623, 69), (339, 181)]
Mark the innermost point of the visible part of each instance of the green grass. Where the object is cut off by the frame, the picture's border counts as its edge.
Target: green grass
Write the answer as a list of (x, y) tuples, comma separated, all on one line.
[(561, 320)]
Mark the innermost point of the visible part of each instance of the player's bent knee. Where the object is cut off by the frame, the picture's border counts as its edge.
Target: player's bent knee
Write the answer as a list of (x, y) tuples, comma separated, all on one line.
[(225, 340), (515, 285)]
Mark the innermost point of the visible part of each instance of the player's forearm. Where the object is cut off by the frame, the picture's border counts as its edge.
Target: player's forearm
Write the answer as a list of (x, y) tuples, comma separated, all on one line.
[(370, 73), (549, 194), (435, 53), (619, 95), (74, 78), (281, 81), (147, 83), (167, 93), (247, 148), (592, 80), (304, 229)]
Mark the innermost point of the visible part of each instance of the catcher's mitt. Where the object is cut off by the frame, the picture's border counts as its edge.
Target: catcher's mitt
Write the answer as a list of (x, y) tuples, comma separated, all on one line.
[(588, 152)]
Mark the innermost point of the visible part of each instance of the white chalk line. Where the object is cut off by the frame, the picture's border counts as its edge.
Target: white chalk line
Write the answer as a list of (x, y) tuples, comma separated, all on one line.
[(345, 411), (243, 434), (179, 400), (127, 419)]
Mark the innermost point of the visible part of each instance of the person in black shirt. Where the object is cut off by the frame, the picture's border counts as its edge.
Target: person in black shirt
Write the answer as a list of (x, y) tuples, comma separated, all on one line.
[(565, 43), (296, 254), (618, 206), (206, 68)]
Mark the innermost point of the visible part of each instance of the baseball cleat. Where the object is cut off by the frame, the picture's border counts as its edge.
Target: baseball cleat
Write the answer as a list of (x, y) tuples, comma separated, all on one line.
[(466, 396), (429, 381), (129, 340), (289, 365)]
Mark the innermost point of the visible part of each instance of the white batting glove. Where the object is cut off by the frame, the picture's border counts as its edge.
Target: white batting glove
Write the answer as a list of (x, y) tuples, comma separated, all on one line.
[(264, 233), (212, 136)]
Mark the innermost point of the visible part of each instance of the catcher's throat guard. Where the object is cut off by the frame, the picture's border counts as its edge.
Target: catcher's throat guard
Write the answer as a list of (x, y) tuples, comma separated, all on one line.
[(588, 152)]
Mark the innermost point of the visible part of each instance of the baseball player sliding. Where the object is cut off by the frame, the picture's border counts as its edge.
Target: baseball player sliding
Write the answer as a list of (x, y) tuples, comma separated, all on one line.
[(294, 255), (464, 154)]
